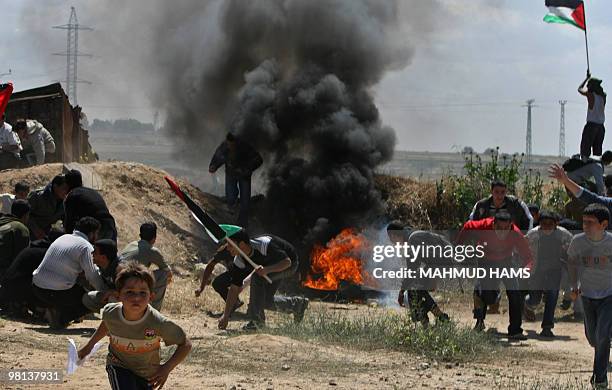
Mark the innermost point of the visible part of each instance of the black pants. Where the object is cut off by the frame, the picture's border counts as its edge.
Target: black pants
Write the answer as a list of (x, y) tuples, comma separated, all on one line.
[(263, 296), (67, 302), (222, 283), (233, 275), (124, 379), (546, 282), (420, 303), (485, 293), (592, 137), (18, 292), (9, 160)]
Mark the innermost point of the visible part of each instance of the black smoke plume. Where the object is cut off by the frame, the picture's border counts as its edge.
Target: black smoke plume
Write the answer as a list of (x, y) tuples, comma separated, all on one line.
[(294, 79)]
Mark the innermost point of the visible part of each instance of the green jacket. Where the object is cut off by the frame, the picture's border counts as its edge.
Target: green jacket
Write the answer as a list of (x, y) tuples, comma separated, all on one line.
[(144, 253), (46, 209), (14, 237)]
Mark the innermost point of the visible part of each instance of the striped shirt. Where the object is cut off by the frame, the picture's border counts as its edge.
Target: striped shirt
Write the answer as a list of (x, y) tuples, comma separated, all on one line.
[(65, 259)]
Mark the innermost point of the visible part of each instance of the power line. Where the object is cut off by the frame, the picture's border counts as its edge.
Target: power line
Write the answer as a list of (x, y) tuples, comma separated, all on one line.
[(72, 53), (528, 150), (562, 129)]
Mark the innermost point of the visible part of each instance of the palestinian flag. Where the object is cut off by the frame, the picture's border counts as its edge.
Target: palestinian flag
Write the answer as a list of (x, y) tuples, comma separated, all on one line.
[(566, 12), (5, 94)]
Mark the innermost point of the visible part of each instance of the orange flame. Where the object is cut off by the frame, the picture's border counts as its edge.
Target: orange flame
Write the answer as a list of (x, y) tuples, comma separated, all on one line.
[(336, 261)]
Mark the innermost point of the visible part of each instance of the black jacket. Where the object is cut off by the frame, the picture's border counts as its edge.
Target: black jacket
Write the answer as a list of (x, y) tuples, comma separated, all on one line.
[(241, 163), (87, 202), (511, 204)]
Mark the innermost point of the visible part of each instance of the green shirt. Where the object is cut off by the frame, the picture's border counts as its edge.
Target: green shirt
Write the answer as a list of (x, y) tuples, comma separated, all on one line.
[(135, 345), (144, 253)]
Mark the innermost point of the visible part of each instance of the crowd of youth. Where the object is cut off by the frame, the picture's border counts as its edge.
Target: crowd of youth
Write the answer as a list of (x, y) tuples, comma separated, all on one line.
[(572, 253), (59, 262), (62, 274)]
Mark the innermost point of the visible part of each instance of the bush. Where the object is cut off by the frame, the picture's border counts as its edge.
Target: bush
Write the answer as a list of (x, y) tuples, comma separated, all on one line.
[(457, 194), (377, 329)]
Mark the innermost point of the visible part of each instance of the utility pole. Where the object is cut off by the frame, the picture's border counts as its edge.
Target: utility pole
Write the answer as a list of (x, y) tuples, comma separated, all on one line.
[(562, 129), (71, 54), (528, 150)]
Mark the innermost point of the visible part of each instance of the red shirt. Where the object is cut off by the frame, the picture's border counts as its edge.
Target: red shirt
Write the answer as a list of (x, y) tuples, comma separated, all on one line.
[(496, 248)]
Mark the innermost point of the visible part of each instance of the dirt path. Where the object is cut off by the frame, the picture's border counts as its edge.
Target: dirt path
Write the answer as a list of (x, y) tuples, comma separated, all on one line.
[(232, 360)]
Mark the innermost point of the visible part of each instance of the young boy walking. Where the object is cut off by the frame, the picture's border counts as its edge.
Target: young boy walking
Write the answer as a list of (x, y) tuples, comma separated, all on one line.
[(590, 273), (549, 243), (135, 329)]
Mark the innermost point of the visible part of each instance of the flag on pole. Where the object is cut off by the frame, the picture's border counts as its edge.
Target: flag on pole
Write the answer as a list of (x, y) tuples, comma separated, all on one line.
[(5, 94), (566, 12)]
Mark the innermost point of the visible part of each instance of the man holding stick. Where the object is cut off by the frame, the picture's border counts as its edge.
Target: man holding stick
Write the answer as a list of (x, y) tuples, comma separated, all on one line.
[(274, 259)]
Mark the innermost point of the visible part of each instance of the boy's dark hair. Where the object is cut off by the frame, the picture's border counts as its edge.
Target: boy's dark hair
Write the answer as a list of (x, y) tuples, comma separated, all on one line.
[(598, 211), (606, 157), (533, 208), (20, 124), (74, 179), (230, 137), (132, 269), (58, 180), (503, 216), (20, 208), (498, 183), (148, 231), (87, 225), (241, 236), (107, 247), (22, 187), (546, 214)]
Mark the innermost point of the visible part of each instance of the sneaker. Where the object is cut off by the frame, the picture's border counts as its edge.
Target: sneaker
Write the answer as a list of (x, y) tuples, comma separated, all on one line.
[(251, 326), (565, 304), (480, 326), (529, 313), (547, 332), (517, 336), (300, 309)]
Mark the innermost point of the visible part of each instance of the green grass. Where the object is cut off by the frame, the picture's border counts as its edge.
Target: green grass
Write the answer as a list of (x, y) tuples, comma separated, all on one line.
[(384, 329)]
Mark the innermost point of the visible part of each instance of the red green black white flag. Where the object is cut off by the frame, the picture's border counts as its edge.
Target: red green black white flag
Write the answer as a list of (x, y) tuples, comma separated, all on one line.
[(566, 12), (5, 94)]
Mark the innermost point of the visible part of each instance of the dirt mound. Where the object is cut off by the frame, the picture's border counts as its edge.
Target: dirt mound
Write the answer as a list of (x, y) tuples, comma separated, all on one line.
[(134, 194)]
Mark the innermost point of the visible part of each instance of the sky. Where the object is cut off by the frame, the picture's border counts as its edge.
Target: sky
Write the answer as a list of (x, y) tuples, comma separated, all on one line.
[(466, 84)]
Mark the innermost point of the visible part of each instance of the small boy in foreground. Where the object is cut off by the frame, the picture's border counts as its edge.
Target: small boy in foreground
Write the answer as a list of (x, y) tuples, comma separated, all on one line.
[(135, 329)]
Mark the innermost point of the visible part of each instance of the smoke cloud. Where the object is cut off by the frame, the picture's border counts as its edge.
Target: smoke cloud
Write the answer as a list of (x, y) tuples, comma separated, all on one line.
[(294, 78)]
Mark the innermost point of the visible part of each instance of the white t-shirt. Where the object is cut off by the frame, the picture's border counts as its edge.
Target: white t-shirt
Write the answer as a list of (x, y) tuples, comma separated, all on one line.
[(6, 200), (598, 113), (8, 136)]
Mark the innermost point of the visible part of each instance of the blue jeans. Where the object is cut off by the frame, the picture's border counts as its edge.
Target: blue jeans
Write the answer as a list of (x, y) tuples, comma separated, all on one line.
[(550, 302), (235, 186), (598, 326), (546, 282)]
